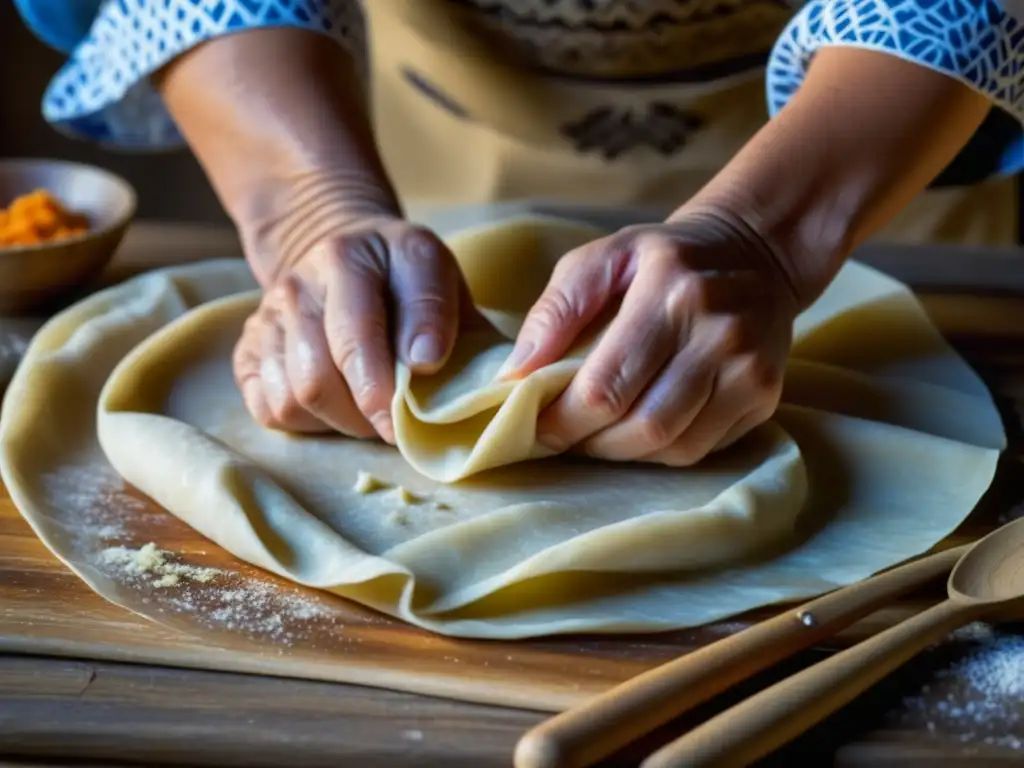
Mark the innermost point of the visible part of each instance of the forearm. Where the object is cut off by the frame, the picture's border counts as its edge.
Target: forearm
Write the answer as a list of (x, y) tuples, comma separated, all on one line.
[(277, 119), (864, 135)]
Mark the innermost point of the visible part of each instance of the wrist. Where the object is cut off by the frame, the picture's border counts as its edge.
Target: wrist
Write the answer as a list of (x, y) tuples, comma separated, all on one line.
[(749, 246), (278, 120), (800, 246), (865, 134), (282, 218)]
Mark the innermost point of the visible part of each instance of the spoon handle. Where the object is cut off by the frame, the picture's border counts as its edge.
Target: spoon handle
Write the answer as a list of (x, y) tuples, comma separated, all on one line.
[(780, 713), (595, 729)]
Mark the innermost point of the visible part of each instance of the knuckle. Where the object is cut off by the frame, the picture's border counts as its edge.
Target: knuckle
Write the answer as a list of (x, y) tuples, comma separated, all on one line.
[(653, 431), (241, 356), (287, 412), (426, 306), (686, 294), (286, 292), (344, 351), (603, 396), (765, 376), (371, 398), (580, 259), (255, 323), (420, 244), (654, 248), (357, 254), (732, 334), (347, 337), (554, 309), (312, 393)]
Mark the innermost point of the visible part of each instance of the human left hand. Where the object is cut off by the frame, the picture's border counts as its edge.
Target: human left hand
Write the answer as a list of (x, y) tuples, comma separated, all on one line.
[(694, 356)]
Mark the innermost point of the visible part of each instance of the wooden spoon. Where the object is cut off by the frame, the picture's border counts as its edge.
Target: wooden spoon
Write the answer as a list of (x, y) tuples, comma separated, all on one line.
[(590, 732), (988, 582)]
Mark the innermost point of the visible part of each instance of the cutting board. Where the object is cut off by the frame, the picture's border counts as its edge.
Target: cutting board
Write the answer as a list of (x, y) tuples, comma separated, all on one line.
[(268, 627)]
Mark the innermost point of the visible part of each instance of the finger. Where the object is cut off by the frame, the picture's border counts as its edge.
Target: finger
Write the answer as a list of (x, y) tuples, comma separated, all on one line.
[(313, 379), (583, 284), (738, 397), (246, 365), (356, 328), (664, 411), (640, 340), (285, 410), (425, 286)]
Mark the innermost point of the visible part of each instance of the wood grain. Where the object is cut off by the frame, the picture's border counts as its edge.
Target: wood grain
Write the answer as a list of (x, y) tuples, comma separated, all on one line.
[(44, 610), (76, 709)]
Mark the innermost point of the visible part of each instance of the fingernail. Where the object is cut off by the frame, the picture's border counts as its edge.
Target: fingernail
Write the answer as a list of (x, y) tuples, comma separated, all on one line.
[(426, 349), (520, 354)]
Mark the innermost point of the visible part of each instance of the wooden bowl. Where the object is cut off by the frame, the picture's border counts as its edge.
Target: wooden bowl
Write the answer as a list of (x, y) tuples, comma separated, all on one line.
[(32, 276)]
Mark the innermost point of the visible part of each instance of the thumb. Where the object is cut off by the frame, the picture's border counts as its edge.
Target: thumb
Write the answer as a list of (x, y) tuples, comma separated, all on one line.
[(425, 286), (581, 287)]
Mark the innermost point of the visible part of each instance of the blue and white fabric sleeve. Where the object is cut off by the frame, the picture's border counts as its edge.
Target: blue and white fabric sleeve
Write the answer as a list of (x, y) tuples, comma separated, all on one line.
[(103, 93), (978, 42)]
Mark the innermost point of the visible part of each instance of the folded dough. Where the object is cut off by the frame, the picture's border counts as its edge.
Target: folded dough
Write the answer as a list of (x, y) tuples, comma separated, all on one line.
[(885, 442)]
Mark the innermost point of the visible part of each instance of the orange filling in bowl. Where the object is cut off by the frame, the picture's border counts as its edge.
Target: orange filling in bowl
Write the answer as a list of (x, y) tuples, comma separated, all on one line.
[(39, 217)]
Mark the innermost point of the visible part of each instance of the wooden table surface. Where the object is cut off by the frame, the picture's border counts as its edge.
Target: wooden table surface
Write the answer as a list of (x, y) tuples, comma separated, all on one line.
[(63, 711)]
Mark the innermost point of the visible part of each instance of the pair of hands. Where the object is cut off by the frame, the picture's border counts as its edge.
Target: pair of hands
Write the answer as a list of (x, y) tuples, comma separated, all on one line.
[(692, 360)]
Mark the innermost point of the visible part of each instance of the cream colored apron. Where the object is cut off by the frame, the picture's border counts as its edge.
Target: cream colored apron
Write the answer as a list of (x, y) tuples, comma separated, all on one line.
[(457, 125)]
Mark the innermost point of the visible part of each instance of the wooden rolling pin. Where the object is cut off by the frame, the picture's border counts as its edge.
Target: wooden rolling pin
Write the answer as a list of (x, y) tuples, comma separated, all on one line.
[(594, 730)]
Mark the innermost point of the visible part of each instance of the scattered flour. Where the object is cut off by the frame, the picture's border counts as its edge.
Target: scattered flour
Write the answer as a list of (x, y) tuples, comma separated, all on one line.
[(239, 603), (152, 563), (256, 608), (980, 697), (94, 501), (95, 507)]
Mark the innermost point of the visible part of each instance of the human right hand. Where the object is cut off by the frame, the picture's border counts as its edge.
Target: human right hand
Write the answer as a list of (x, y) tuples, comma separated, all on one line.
[(318, 354)]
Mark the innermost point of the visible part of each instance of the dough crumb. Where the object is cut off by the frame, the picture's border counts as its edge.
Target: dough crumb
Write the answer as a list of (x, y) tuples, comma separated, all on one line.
[(367, 483), (406, 496), (148, 561), (440, 506), (167, 580)]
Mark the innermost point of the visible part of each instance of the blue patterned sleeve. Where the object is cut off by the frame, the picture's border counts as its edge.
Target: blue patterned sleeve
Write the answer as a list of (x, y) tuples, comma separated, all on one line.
[(978, 42), (103, 92)]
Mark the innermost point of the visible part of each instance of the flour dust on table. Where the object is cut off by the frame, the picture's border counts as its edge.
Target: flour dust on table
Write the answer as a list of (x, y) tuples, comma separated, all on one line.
[(978, 697), (884, 443)]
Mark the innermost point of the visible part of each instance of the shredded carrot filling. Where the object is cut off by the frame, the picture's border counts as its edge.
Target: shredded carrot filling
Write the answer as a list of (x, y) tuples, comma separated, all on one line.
[(39, 217)]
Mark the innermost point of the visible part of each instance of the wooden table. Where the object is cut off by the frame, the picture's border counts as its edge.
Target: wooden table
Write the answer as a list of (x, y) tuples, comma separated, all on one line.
[(54, 709)]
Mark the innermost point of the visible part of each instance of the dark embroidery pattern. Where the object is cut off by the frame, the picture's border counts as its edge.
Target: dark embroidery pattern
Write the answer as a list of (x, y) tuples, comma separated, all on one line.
[(613, 131)]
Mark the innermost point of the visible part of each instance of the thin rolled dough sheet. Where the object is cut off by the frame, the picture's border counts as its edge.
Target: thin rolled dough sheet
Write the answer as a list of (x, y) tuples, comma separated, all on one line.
[(884, 443)]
